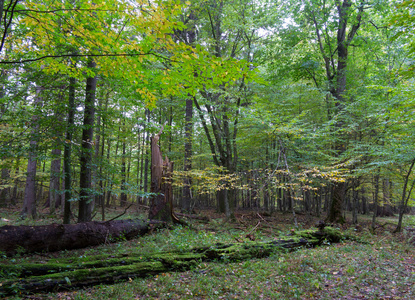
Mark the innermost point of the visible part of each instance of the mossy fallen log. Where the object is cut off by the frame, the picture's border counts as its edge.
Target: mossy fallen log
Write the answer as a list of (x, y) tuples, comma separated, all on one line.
[(74, 273), (55, 237)]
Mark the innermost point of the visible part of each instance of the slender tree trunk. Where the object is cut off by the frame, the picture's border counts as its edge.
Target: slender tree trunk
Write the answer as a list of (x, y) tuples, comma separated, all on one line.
[(146, 155), (101, 181), (123, 198), (187, 196), (355, 202), (54, 185), (375, 200), (108, 158), (138, 165), (143, 144), (110, 178), (29, 204), (85, 183), (68, 151)]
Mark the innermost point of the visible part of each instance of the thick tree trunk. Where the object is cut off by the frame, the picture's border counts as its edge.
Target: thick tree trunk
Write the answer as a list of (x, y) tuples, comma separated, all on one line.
[(355, 203), (335, 210), (161, 203), (85, 177), (29, 239), (71, 273)]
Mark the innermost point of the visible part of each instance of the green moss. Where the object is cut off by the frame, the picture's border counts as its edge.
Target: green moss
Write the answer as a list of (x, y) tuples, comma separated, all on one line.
[(75, 272)]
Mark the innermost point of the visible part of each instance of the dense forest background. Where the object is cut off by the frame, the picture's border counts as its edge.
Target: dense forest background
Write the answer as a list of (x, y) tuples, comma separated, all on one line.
[(295, 106)]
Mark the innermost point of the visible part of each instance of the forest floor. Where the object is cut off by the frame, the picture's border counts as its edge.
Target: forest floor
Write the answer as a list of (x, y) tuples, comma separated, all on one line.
[(379, 266)]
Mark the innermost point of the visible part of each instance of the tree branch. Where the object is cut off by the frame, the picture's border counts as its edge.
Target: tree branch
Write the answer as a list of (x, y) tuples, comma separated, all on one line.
[(84, 55)]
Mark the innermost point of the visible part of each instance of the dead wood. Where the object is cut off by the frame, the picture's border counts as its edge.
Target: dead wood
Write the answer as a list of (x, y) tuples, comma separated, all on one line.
[(71, 273), (55, 237)]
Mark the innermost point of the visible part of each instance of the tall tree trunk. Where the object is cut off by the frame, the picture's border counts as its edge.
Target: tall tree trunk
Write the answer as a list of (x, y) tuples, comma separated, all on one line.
[(4, 192), (5, 171), (355, 202), (375, 199), (54, 185), (187, 195), (336, 77), (68, 151), (85, 178), (146, 156), (29, 204), (123, 198), (97, 155), (111, 180), (138, 198)]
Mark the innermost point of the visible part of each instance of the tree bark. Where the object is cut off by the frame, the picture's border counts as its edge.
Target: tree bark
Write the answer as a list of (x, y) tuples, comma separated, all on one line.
[(54, 185), (161, 202), (187, 194), (67, 152), (29, 239), (146, 162), (123, 196), (375, 200), (85, 177), (29, 204)]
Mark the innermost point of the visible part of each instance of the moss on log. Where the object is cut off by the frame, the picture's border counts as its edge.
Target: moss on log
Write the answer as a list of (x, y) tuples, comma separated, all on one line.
[(66, 274)]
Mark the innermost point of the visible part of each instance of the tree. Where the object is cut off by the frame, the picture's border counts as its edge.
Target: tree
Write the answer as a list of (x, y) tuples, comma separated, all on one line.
[(85, 178), (161, 201), (29, 205)]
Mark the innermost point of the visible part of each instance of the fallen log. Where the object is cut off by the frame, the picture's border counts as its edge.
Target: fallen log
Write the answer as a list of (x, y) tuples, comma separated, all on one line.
[(74, 272), (56, 237)]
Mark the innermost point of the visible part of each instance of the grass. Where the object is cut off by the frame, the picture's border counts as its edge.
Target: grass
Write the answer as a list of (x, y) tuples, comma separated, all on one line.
[(382, 267)]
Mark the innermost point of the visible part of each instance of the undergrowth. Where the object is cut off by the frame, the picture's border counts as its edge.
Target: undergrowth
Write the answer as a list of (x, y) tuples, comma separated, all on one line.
[(379, 266)]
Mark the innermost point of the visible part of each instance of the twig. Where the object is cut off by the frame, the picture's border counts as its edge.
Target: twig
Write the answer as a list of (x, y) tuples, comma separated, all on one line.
[(268, 224), (120, 214), (253, 229)]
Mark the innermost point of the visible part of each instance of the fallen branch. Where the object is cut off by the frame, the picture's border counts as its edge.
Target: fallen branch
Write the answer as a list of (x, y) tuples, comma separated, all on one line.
[(120, 215)]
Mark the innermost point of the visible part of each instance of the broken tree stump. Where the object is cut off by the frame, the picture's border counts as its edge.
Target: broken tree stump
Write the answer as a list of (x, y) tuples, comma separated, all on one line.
[(161, 201)]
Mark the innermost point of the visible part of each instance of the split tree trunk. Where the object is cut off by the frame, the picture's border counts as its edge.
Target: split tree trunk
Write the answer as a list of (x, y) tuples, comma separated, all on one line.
[(161, 204)]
